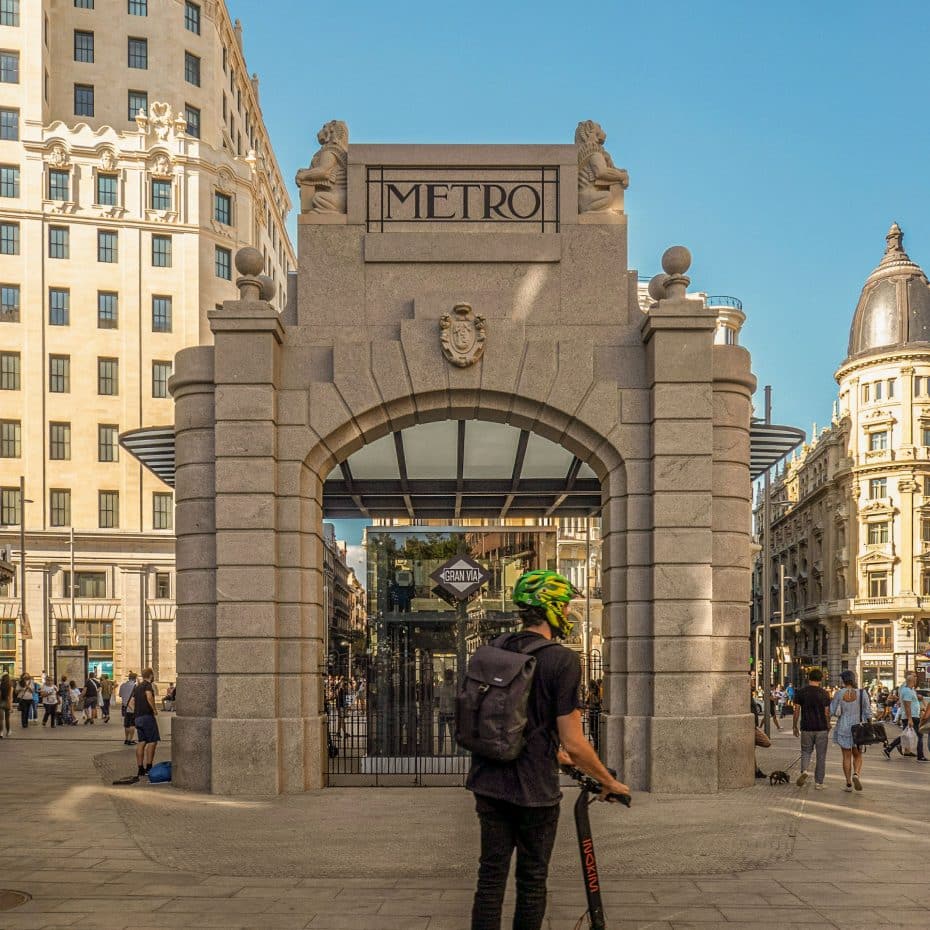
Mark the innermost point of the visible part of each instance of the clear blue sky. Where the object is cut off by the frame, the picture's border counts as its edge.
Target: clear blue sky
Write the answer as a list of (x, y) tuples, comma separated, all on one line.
[(777, 141)]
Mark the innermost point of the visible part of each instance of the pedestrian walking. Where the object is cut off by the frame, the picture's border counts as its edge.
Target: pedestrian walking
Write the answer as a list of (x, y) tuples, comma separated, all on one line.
[(25, 690), (6, 704), (812, 724), (910, 716), (125, 697), (517, 801), (145, 711), (91, 695), (48, 694), (850, 706), (106, 695)]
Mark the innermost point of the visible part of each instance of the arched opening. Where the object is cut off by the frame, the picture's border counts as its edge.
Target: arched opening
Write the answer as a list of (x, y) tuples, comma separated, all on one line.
[(497, 493)]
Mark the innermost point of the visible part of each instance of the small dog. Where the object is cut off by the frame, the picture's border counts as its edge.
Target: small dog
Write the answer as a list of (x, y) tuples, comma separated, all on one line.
[(779, 778)]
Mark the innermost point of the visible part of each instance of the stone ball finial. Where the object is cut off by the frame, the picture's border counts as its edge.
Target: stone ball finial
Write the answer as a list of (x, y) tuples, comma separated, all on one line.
[(249, 261), (676, 260), (657, 287), (268, 287)]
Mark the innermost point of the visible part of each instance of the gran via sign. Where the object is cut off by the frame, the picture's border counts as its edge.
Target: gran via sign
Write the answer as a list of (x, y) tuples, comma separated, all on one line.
[(460, 576), (402, 198)]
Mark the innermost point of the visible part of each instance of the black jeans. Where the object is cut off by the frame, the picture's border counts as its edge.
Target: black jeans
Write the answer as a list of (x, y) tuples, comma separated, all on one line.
[(895, 743), (51, 711), (25, 708), (505, 827)]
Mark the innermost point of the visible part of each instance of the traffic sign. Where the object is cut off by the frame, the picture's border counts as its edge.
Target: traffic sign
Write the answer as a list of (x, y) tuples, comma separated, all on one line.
[(461, 576)]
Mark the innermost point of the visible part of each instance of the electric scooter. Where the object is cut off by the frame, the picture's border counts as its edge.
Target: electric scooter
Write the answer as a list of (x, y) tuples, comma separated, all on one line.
[(592, 885)]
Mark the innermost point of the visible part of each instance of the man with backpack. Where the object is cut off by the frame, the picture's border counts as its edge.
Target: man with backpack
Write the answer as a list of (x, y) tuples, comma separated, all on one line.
[(519, 701)]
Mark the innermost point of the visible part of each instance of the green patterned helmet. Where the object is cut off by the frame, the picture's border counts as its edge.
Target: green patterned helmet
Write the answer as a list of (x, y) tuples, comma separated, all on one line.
[(549, 591)]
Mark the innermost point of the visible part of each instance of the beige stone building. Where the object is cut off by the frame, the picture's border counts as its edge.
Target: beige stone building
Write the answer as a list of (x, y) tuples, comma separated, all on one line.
[(851, 510), (134, 162)]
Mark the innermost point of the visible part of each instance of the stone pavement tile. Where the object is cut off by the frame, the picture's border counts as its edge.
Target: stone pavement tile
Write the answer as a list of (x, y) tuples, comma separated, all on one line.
[(762, 923), (747, 899), (122, 905), (246, 881), (349, 882), (569, 924), (385, 922), (382, 894), (200, 905), (877, 917), (415, 908), (255, 891), (16, 921), (650, 912), (796, 915)]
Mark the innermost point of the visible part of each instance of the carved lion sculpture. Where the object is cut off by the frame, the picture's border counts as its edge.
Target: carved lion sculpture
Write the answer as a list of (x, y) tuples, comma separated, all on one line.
[(596, 171), (325, 179)]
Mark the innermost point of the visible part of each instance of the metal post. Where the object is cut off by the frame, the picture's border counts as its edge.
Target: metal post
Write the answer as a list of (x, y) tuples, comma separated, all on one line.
[(587, 599), (72, 629), (767, 583), (22, 566)]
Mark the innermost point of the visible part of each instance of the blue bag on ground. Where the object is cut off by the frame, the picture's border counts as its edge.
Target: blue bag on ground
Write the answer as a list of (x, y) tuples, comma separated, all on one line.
[(160, 772)]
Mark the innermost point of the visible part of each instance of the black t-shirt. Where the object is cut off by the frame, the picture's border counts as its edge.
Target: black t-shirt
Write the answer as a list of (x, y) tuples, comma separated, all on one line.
[(812, 701), (140, 701), (91, 687), (532, 779)]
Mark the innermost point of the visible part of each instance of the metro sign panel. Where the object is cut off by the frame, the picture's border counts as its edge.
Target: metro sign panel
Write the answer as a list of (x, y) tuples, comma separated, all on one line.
[(460, 576)]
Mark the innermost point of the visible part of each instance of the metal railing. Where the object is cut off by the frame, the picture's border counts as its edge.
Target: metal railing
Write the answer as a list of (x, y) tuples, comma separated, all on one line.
[(721, 300)]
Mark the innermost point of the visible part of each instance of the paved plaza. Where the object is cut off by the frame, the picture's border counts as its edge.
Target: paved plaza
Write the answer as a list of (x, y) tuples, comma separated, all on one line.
[(95, 855)]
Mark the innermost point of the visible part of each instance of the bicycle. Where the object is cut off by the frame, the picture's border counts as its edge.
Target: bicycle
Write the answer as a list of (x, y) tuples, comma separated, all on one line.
[(590, 788)]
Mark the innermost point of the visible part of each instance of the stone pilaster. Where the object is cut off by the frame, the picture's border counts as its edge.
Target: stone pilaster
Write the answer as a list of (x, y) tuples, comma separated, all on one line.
[(195, 522)]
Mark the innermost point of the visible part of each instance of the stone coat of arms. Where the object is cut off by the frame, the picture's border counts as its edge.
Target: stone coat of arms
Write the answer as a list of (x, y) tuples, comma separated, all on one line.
[(462, 334)]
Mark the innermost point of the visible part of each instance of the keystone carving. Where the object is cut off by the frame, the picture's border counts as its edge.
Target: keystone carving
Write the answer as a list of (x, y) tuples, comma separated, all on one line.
[(58, 156), (323, 185), (600, 184), (462, 335)]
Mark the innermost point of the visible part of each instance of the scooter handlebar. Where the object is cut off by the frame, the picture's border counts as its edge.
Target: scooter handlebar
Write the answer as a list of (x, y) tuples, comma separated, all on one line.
[(592, 785)]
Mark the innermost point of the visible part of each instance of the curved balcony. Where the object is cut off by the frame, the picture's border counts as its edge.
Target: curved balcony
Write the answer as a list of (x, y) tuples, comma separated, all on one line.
[(721, 300)]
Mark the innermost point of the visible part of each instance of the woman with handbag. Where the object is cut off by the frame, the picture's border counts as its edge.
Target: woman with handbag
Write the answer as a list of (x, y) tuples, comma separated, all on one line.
[(850, 706)]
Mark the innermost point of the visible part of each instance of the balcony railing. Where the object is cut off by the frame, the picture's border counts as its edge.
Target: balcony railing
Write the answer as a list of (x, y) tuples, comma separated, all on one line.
[(720, 300), (877, 647), (874, 601)]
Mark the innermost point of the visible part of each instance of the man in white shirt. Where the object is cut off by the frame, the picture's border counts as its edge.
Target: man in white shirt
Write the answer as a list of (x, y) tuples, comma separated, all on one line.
[(48, 694), (125, 693), (910, 713)]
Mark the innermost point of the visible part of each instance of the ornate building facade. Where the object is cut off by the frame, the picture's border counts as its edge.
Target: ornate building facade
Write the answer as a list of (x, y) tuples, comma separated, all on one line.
[(851, 509), (134, 162)]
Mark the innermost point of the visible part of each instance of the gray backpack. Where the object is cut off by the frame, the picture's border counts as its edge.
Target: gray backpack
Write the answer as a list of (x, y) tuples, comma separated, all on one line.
[(490, 709)]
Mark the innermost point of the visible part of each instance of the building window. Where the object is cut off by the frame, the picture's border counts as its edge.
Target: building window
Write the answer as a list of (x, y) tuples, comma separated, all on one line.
[(9, 303), (9, 12), (192, 69), (192, 17), (138, 100), (59, 507), (83, 100), (107, 188), (107, 246), (9, 238), (9, 180), (879, 634), (58, 242), (108, 510), (878, 390), (138, 7), (9, 371), (162, 507), (10, 507), (878, 533), (223, 263), (891, 388), (59, 441), (161, 372), (161, 251), (162, 585), (59, 374), (161, 194), (878, 487), (9, 67), (865, 393), (84, 4), (161, 314), (59, 184), (138, 53), (222, 208), (192, 115), (107, 310), (9, 124), (10, 439), (59, 306), (86, 584), (107, 376), (878, 584), (107, 442), (83, 46), (878, 441)]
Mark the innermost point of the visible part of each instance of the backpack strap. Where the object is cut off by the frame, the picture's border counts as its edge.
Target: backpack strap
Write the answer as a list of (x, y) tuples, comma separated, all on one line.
[(502, 642)]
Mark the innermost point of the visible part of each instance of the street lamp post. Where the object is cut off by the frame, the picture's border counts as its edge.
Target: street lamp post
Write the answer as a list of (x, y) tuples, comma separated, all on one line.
[(767, 583)]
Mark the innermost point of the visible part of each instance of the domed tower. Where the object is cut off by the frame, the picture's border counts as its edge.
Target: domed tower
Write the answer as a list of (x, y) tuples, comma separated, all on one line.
[(883, 509)]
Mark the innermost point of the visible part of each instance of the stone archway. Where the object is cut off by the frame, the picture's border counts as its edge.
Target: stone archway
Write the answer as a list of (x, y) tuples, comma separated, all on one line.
[(659, 412)]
